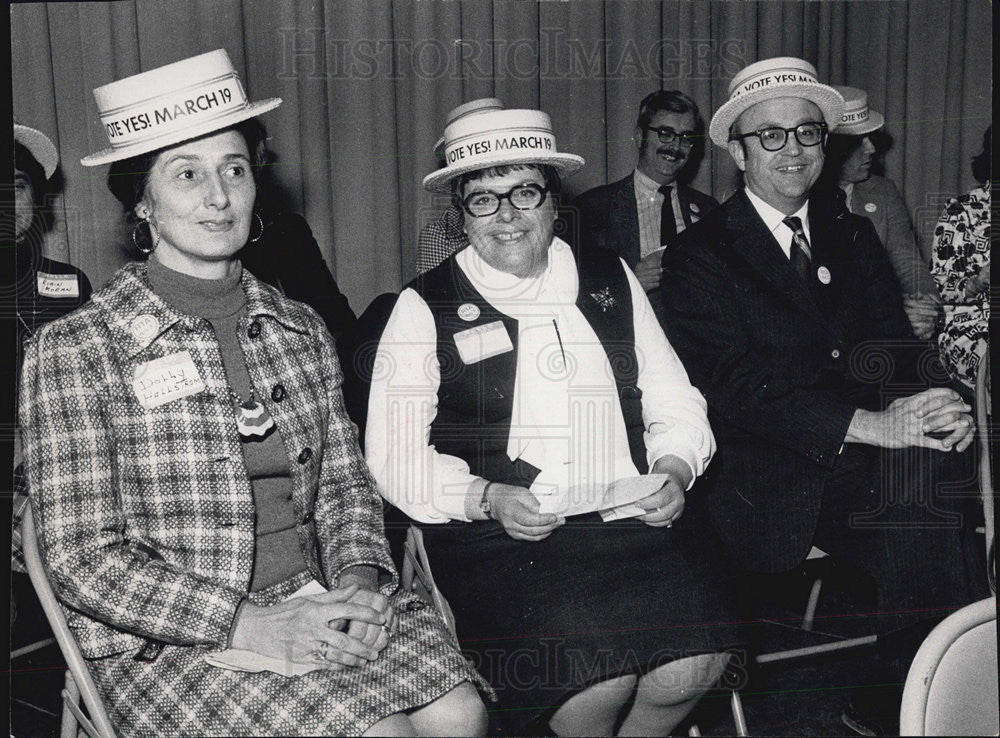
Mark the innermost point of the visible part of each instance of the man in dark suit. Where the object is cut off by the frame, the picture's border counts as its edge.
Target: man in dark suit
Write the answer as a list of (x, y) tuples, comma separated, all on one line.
[(636, 216), (787, 315)]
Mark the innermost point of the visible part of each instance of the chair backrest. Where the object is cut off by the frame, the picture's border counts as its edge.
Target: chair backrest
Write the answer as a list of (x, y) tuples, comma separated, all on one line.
[(986, 461), (99, 723), (952, 685), (416, 577), (357, 358)]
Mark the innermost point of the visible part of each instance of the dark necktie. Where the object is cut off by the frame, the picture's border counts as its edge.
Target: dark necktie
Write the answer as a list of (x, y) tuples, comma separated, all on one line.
[(668, 229), (800, 253)]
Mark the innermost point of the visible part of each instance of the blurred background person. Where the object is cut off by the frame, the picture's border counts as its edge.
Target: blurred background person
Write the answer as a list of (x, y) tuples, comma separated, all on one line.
[(637, 216), (44, 289), (961, 268), (850, 156)]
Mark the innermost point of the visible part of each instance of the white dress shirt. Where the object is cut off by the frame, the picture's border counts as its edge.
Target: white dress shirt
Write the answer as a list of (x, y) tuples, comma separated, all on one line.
[(649, 205), (566, 417), (773, 220)]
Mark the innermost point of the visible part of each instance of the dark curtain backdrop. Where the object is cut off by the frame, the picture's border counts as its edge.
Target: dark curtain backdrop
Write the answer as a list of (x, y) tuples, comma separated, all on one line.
[(367, 84)]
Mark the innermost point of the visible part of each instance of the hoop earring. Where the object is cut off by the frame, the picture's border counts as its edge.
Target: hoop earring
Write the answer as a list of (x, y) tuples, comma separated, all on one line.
[(261, 234), (152, 232)]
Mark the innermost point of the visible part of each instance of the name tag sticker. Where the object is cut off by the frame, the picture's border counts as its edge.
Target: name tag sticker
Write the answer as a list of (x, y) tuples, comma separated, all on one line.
[(169, 378), (483, 342), (58, 285)]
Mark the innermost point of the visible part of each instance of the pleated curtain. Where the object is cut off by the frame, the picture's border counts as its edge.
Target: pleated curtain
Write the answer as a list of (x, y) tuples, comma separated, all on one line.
[(367, 84)]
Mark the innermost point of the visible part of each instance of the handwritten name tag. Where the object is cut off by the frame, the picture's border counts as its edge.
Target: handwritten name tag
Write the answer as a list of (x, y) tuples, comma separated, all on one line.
[(58, 285), (482, 342), (169, 378)]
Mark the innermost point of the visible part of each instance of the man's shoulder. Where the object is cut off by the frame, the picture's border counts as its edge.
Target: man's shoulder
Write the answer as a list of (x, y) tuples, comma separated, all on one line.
[(604, 192), (697, 196), (876, 187)]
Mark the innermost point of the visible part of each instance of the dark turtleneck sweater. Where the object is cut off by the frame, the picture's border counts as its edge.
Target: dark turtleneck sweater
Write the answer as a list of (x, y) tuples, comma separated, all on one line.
[(222, 303)]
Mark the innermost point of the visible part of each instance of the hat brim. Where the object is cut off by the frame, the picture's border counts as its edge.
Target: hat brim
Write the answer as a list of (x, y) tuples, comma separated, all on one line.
[(874, 122), (40, 146), (109, 155), (827, 99), (565, 164)]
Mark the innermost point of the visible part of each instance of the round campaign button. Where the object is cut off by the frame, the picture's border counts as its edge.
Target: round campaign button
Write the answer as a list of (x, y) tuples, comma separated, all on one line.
[(870, 207), (823, 274), (144, 327), (468, 311), (694, 208)]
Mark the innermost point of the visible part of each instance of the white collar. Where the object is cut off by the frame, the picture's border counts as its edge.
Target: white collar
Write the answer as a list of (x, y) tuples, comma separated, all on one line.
[(515, 295), (773, 217), (647, 185)]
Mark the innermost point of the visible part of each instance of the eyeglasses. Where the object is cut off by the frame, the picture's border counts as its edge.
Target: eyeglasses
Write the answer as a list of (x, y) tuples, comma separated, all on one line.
[(774, 139), (481, 203), (669, 135)]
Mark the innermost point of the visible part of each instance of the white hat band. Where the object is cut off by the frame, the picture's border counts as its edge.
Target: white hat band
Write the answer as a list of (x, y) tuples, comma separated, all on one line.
[(855, 116), (479, 146), (164, 114), (772, 78)]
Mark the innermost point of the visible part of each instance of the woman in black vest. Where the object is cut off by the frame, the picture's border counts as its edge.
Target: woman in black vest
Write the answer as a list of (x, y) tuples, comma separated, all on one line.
[(527, 411)]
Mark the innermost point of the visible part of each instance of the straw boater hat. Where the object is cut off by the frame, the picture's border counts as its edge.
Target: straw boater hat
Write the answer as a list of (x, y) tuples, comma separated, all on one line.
[(858, 119), (489, 138), (170, 104), (40, 146), (782, 76), (472, 107)]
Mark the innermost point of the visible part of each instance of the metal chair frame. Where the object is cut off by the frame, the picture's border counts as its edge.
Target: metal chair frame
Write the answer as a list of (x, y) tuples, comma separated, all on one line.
[(983, 438), (79, 684)]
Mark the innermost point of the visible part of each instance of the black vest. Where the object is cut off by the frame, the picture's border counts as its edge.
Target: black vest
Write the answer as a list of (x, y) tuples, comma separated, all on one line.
[(475, 400)]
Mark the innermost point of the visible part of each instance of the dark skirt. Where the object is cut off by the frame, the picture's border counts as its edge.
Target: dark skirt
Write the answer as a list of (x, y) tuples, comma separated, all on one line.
[(543, 620)]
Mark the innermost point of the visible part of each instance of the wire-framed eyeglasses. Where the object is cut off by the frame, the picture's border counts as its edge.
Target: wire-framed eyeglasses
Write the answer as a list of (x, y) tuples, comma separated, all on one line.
[(481, 203), (774, 139), (668, 135)]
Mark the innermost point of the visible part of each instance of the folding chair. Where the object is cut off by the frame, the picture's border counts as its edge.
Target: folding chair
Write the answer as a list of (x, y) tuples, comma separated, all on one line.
[(807, 625), (951, 688), (78, 680), (983, 433)]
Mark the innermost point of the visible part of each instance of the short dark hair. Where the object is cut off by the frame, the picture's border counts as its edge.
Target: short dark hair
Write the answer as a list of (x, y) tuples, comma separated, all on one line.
[(982, 161), (128, 178), (673, 101), (25, 161), (548, 172)]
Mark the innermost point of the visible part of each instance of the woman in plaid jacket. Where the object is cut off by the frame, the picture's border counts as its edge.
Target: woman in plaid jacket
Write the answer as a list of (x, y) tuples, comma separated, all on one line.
[(191, 465)]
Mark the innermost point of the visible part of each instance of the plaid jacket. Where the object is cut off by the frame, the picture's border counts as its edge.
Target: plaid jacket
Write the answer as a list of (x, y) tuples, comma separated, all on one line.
[(146, 517)]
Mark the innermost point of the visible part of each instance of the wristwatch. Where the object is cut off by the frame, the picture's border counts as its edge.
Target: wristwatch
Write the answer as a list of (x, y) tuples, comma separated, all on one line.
[(484, 503)]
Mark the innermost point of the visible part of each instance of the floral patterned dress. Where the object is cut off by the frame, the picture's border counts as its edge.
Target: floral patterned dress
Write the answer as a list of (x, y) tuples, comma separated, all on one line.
[(961, 252)]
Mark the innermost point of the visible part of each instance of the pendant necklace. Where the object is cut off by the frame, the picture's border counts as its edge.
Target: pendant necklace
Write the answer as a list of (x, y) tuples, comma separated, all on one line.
[(252, 418)]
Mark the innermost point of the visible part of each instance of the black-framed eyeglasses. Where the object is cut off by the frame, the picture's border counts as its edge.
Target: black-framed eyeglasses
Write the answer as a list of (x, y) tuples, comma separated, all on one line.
[(774, 139), (481, 203), (669, 135)]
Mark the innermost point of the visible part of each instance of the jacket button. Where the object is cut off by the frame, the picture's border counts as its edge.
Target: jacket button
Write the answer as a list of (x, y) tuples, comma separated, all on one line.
[(835, 354), (278, 393), (305, 455), (254, 330)]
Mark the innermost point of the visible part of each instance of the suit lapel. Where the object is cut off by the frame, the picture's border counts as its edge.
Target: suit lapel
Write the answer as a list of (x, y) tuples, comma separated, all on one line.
[(829, 229), (625, 214), (684, 198), (751, 239)]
